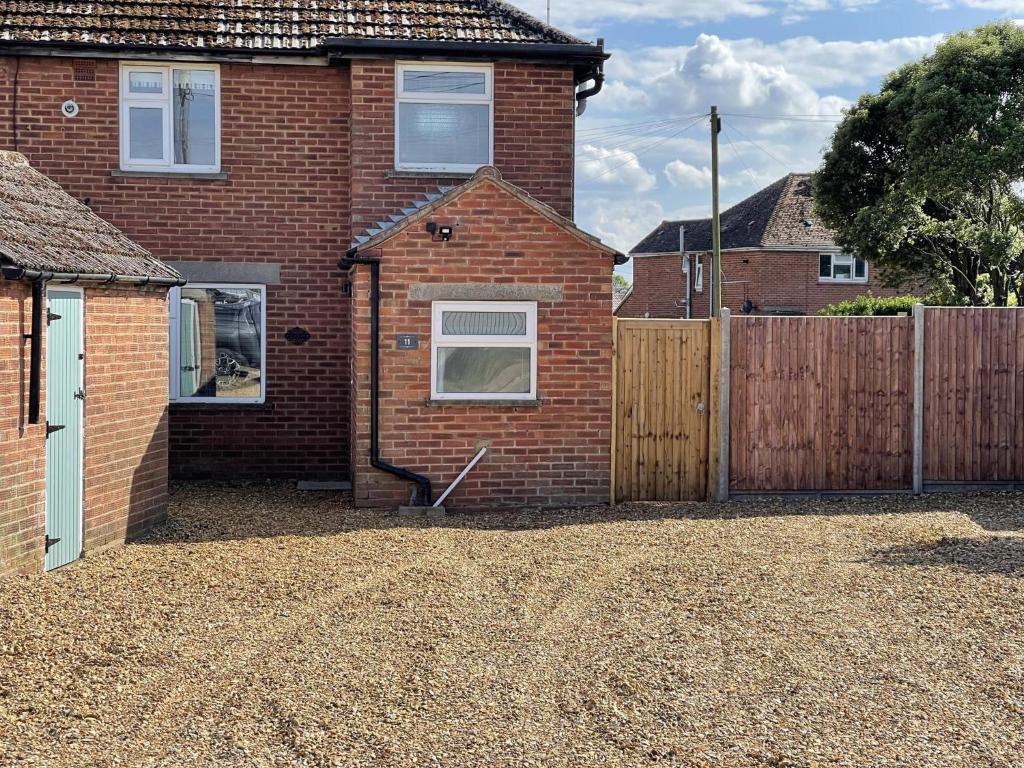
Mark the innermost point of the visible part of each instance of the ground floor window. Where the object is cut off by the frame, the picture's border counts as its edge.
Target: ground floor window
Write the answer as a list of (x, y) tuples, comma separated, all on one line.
[(484, 350), (843, 268), (218, 343)]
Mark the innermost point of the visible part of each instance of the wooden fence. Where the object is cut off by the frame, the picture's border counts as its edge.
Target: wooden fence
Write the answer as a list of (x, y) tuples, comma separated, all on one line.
[(821, 403), (973, 395), (809, 404), (662, 394)]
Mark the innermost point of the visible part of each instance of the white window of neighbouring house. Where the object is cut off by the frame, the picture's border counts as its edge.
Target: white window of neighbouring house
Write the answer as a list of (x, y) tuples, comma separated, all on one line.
[(483, 350), (842, 268), (170, 118), (444, 117), (218, 343)]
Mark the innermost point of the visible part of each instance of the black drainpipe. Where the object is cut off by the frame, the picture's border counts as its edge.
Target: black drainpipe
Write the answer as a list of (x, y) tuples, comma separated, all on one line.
[(424, 494), (36, 360)]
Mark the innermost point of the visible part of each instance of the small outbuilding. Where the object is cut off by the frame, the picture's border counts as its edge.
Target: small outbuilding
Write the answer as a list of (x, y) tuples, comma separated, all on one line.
[(83, 377), (482, 347)]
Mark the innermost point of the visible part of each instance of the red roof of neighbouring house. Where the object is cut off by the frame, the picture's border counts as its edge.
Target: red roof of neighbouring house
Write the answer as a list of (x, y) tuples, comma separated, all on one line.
[(780, 215)]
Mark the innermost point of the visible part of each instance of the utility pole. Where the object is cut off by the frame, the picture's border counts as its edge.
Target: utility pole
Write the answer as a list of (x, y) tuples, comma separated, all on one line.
[(549, 12), (716, 231)]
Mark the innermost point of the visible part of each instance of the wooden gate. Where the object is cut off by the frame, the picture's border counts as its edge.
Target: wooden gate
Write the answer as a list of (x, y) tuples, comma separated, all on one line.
[(662, 407)]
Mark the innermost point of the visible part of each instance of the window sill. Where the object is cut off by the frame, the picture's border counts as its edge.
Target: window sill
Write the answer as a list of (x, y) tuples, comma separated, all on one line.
[(398, 173), (485, 403), (196, 176), (185, 405), (834, 281)]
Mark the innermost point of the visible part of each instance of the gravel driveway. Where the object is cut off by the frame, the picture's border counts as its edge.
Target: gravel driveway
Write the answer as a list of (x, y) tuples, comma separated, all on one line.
[(262, 626)]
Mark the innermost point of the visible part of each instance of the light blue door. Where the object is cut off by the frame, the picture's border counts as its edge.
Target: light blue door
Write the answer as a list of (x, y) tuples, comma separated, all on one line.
[(65, 401)]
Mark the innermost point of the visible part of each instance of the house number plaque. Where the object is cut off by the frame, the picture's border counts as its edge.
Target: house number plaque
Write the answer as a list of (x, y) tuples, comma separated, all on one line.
[(408, 341)]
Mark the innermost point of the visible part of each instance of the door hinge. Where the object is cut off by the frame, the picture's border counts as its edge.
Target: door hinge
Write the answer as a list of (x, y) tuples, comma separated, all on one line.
[(50, 317), (51, 428), (50, 542), (80, 394), (189, 368)]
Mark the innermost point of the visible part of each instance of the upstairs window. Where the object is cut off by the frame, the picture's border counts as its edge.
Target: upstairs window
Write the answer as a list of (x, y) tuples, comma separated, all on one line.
[(842, 268), (444, 117), (484, 350), (170, 118)]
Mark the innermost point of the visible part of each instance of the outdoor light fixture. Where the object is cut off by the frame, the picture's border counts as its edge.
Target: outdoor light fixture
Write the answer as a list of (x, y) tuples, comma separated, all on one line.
[(442, 232)]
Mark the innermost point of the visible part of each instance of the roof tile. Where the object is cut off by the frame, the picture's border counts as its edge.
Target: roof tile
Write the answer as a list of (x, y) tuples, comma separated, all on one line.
[(44, 228), (268, 24)]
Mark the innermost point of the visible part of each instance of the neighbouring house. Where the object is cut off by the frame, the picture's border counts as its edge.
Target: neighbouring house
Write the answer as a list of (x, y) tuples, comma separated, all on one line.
[(249, 147), (777, 259), (83, 382)]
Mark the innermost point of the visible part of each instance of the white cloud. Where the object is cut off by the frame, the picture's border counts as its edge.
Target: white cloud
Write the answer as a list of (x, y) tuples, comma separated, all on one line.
[(682, 174), (598, 165), (1008, 6), (584, 16), (621, 223)]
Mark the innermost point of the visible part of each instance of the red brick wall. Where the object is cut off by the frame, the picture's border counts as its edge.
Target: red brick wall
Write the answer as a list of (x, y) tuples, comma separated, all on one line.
[(306, 149), (768, 278), (22, 445), (534, 119), (125, 413), (554, 454), (125, 469)]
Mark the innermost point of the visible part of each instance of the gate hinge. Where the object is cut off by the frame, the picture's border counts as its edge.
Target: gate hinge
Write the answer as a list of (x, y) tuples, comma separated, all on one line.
[(50, 542), (51, 428), (50, 317), (80, 394)]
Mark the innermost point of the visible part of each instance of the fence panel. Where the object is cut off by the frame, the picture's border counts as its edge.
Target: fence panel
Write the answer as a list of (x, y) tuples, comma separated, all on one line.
[(662, 409), (821, 403), (974, 395)]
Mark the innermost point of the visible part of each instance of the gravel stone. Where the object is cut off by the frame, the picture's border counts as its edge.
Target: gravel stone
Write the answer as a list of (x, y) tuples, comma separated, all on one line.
[(263, 626)]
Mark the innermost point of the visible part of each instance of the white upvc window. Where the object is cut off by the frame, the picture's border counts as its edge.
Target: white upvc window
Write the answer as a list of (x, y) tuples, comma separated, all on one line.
[(170, 117), (444, 117), (483, 350), (218, 343), (841, 268)]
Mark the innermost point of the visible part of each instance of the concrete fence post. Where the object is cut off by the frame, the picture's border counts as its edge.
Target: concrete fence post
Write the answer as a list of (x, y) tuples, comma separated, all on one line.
[(919, 399), (723, 409)]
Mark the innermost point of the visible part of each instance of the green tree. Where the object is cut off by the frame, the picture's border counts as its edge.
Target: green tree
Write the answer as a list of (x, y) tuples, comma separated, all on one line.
[(924, 178), (619, 283)]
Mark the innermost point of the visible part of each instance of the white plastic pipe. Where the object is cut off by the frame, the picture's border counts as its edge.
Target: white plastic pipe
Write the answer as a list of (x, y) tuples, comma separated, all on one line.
[(461, 477)]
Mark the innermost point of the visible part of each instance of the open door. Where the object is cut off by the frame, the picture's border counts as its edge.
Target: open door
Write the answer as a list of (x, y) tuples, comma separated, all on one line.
[(65, 411)]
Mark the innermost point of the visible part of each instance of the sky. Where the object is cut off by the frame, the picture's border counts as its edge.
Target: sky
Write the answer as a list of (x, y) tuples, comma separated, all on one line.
[(780, 72)]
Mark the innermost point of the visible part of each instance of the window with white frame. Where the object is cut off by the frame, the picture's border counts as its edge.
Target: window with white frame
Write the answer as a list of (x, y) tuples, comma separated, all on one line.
[(842, 268), (444, 116), (218, 343), (170, 117), (483, 350)]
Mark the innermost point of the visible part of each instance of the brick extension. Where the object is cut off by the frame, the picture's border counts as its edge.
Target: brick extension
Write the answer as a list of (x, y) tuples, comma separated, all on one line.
[(554, 454)]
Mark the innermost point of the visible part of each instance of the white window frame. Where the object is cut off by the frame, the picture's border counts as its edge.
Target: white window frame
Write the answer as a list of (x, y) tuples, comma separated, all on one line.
[(401, 97), (844, 258), (439, 340), (163, 101), (174, 341)]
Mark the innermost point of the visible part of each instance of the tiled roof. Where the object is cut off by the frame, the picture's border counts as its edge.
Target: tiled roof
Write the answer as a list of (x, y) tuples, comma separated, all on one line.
[(780, 215), (269, 24), (43, 228)]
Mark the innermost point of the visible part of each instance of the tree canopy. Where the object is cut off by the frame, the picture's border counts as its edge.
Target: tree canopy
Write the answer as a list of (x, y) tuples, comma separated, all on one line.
[(924, 178)]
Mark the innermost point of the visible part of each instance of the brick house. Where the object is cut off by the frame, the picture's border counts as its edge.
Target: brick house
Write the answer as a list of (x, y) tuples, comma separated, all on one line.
[(83, 388), (777, 258), (250, 150)]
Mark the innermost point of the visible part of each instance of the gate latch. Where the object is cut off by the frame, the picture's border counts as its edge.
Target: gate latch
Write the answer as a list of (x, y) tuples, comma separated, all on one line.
[(50, 542), (80, 394), (701, 408), (51, 428)]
